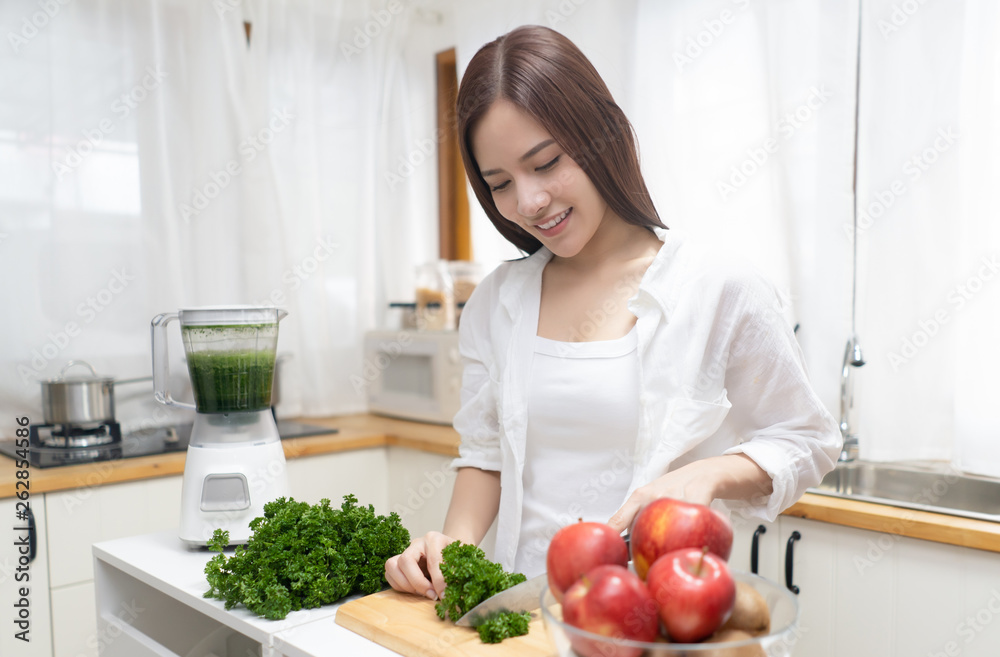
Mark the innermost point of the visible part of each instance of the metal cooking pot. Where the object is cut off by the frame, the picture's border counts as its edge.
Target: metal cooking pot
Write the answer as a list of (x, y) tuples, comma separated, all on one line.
[(78, 400)]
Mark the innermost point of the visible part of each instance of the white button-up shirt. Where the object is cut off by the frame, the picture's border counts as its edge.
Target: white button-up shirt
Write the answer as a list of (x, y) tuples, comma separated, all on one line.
[(720, 372)]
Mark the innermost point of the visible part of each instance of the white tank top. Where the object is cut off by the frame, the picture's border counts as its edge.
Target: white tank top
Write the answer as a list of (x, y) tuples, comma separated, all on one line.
[(583, 418)]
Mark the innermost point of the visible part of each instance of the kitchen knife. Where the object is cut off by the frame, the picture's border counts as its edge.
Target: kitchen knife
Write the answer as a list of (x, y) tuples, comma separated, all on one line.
[(520, 597)]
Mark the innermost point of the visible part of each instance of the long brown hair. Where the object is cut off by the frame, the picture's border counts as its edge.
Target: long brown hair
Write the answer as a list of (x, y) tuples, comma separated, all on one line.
[(545, 75)]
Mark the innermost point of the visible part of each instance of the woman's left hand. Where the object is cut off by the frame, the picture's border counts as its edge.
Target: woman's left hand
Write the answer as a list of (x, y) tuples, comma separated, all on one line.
[(733, 476)]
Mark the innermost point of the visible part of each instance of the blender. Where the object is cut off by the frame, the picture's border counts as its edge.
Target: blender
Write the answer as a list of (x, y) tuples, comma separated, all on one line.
[(235, 462)]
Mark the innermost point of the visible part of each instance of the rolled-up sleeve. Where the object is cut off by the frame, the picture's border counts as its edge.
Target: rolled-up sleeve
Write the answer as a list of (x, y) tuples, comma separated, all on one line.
[(783, 425), (477, 421)]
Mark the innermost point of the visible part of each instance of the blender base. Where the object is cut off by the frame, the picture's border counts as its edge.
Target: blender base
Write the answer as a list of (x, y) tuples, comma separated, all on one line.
[(226, 486)]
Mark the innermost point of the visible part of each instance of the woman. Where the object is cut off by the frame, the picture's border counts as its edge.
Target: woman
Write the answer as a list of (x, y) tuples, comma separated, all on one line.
[(617, 363)]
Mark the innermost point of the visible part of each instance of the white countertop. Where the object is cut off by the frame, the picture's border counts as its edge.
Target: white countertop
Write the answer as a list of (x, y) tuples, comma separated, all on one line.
[(163, 562)]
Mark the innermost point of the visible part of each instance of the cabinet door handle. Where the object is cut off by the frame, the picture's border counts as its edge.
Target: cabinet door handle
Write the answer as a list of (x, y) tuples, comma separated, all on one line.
[(32, 539), (755, 547), (790, 560)]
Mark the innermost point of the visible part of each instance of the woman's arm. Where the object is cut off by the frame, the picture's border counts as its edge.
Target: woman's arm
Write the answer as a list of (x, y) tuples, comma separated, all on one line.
[(728, 477), (474, 504)]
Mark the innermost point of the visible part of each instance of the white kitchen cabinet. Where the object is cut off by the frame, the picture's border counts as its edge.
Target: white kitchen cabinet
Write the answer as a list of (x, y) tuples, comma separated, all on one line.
[(861, 620), (86, 515), (948, 600), (865, 592), (74, 620), (12, 581), (83, 516), (813, 555), (419, 488), (820, 555), (981, 584), (361, 472)]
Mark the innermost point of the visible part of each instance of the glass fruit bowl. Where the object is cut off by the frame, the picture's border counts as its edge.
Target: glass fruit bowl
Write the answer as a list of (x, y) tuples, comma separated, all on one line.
[(782, 604)]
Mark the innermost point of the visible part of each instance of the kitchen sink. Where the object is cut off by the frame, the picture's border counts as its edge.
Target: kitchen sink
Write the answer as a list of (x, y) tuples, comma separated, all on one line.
[(924, 486)]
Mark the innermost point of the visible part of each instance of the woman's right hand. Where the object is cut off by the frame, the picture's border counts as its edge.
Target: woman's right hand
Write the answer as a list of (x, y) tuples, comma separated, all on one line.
[(418, 568)]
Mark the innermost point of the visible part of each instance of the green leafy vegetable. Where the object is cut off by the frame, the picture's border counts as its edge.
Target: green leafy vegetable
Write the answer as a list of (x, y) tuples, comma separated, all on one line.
[(469, 579), (303, 556), (503, 625)]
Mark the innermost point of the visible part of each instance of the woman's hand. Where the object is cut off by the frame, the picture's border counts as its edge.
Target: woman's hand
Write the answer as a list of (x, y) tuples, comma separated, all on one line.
[(733, 476), (418, 568)]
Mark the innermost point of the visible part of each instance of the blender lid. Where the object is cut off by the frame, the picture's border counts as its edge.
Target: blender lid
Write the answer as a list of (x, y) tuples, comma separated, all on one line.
[(231, 315)]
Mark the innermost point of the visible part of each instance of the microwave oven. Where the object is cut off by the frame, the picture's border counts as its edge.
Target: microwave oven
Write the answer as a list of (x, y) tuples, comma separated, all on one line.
[(413, 375)]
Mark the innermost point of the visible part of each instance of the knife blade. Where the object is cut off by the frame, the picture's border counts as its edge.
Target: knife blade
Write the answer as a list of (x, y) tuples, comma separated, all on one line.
[(520, 597)]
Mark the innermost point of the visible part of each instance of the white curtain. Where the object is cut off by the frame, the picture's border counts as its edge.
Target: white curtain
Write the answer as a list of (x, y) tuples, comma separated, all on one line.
[(150, 160), (930, 232)]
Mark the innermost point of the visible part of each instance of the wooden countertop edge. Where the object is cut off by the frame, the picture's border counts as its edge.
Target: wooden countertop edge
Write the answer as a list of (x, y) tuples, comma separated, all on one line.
[(937, 527), (361, 431)]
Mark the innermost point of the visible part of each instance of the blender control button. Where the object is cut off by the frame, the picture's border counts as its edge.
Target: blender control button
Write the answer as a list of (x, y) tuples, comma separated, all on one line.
[(225, 492)]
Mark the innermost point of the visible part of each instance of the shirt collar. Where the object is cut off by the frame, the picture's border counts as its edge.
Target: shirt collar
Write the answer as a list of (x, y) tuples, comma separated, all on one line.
[(525, 271)]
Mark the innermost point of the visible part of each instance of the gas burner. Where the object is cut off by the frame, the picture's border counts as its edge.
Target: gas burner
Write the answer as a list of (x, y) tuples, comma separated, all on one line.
[(71, 436)]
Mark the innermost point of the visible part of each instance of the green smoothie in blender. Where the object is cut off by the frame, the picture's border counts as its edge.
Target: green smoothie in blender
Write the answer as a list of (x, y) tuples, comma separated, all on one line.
[(230, 380)]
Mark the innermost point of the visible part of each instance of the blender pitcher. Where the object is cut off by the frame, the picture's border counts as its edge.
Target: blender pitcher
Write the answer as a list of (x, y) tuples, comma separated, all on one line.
[(235, 463)]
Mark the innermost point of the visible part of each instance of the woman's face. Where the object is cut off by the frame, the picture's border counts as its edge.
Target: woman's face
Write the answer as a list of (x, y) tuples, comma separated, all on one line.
[(534, 183)]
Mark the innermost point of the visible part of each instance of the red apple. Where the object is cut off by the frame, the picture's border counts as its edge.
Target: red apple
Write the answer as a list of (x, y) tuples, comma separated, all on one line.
[(578, 548), (611, 601), (666, 524), (694, 593)]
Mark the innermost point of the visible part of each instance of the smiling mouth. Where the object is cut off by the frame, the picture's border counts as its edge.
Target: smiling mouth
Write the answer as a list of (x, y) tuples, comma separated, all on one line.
[(555, 222)]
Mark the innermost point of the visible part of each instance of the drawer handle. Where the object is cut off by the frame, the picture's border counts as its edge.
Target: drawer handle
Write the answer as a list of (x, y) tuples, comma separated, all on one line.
[(789, 561), (32, 538), (755, 547)]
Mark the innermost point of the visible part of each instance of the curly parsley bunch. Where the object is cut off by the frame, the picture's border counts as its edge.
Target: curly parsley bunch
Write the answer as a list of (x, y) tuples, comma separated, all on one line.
[(303, 556), (469, 579)]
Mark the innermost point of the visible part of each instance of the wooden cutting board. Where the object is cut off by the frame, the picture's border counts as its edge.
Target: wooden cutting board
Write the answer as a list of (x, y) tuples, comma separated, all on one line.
[(409, 625)]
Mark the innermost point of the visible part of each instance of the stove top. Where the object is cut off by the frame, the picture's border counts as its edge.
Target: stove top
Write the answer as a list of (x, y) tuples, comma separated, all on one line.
[(49, 453)]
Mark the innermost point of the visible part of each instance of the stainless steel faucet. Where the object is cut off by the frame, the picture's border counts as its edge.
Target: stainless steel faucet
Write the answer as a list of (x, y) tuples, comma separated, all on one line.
[(852, 353), (848, 419)]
